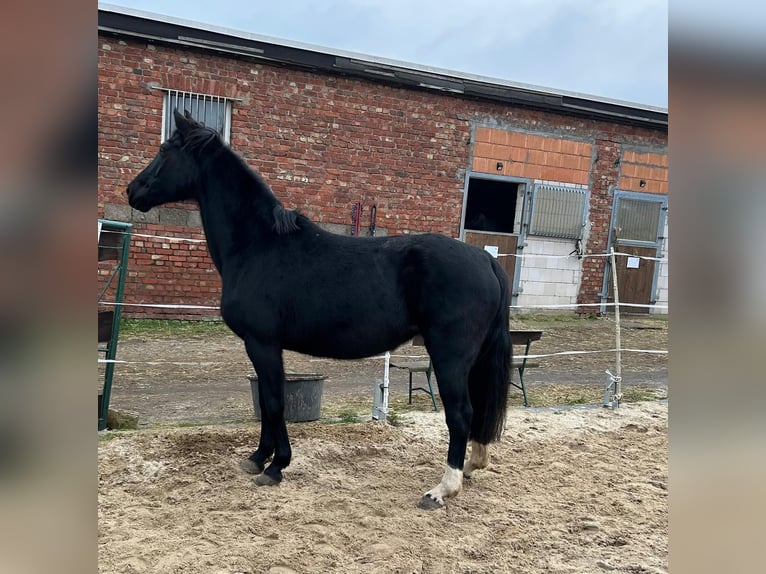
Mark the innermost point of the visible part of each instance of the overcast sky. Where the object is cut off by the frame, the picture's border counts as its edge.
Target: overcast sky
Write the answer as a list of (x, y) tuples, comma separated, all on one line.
[(610, 48)]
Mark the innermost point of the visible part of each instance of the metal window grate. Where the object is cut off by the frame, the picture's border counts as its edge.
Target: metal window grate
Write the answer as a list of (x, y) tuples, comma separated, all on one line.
[(213, 111), (638, 220), (558, 211)]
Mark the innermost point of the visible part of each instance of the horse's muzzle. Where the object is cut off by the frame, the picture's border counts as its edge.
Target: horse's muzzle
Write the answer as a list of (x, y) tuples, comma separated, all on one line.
[(136, 200)]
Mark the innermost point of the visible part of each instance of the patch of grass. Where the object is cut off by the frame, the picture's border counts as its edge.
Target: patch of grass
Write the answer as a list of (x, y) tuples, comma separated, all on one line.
[(107, 436), (578, 400), (521, 321), (393, 418), (552, 395), (638, 394), (165, 328), (345, 407), (348, 417)]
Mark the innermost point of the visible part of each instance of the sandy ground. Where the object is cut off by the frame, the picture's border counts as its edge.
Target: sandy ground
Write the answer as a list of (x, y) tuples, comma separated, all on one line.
[(568, 489), (574, 490)]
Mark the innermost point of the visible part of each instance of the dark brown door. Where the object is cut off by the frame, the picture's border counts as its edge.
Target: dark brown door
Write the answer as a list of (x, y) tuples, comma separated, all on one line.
[(634, 277), (503, 242)]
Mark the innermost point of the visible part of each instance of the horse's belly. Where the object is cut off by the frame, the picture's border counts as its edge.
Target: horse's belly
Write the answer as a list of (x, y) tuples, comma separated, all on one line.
[(351, 343)]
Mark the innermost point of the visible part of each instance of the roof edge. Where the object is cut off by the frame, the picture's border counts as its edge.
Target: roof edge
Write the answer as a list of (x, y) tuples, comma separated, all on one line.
[(138, 23)]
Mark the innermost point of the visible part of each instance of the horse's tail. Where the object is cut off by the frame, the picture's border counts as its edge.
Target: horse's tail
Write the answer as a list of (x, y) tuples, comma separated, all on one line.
[(490, 377)]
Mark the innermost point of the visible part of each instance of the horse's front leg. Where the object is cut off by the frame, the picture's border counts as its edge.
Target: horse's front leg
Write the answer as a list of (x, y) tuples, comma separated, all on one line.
[(256, 462), (267, 361), (458, 412)]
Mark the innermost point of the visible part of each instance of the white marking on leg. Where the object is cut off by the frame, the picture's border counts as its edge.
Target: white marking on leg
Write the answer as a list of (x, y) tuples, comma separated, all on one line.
[(479, 458), (450, 485)]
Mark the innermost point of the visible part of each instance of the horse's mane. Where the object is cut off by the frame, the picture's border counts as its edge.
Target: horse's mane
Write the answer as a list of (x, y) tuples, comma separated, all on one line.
[(286, 221), (200, 137)]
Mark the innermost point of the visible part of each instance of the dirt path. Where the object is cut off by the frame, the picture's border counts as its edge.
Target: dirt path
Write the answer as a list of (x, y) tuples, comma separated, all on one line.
[(172, 380)]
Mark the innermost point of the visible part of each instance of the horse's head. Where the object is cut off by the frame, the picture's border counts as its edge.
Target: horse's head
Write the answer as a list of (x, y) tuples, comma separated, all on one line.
[(173, 174)]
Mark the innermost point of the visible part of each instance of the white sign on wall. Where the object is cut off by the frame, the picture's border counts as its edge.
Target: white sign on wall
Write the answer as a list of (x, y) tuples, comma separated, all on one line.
[(633, 262), (492, 250)]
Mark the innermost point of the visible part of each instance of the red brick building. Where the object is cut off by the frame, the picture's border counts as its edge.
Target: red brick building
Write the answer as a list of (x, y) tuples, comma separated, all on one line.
[(518, 170)]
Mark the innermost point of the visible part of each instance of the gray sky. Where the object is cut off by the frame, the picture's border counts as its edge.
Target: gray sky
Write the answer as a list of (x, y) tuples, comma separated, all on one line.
[(610, 48)]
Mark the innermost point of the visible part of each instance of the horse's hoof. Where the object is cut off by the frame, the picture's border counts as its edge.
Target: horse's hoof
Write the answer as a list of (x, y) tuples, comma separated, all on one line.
[(428, 502), (265, 480), (250, 466)]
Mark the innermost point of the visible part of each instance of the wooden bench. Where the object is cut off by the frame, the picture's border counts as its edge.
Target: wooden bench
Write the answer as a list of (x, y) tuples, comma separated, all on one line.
[(424, 367), (518, 338), (524, 338)]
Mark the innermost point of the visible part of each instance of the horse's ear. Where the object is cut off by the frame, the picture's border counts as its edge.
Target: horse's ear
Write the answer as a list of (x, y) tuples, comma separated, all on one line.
[(184, 122)]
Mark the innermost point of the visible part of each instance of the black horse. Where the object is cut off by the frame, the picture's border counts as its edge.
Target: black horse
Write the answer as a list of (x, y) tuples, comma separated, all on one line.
[(288, 284)]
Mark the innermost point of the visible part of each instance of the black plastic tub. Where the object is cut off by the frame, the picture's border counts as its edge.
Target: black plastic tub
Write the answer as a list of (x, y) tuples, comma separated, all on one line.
[(303, 396)]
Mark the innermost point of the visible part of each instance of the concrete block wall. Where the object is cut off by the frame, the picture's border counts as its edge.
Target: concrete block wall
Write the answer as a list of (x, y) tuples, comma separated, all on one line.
[(547, 280), (662, 277)]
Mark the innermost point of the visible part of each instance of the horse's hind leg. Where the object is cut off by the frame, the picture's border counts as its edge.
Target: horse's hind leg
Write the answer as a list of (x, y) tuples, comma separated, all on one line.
[(479, 458), (274, 439), (451, 376), (477, 381)]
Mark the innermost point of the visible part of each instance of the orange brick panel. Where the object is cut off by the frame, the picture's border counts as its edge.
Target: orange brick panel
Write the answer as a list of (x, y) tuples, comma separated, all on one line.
[(483, 149), (498, 137), (482, 134), (501, 152), (634, 184), (552, 145), (553, 159), (481, 164), (570, 161), (536, 157), (584, 149), (642, 172), (550, 173), (581, 177), (515, 169), (535, 142), (534, 171), (659, 173), (568, 146), (628, 169), (519, 154), (585, 163), (518, 139)]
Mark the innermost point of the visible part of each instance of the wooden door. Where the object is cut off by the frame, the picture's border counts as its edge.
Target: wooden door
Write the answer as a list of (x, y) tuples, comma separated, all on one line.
[(505, 243), (636, 224), (635, 277)]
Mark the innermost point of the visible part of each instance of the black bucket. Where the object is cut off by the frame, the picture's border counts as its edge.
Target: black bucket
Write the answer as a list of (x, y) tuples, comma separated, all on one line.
[(303, 396)]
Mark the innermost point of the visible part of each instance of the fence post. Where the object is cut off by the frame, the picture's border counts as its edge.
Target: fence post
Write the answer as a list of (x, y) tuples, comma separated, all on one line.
[(615, 382)]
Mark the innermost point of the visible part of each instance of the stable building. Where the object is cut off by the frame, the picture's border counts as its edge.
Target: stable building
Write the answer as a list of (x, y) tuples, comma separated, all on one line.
[(548, 181)]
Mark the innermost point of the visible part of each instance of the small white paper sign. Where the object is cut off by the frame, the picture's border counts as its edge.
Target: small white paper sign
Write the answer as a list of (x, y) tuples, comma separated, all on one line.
[(492, 249), (633, 262)]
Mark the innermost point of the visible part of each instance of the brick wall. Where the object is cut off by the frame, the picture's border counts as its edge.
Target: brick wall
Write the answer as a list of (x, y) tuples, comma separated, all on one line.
[(322, 142)]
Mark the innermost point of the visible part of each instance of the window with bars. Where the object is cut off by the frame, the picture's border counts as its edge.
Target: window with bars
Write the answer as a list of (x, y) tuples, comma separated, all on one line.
[(213, 111), (638, 220), (558, 211)]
